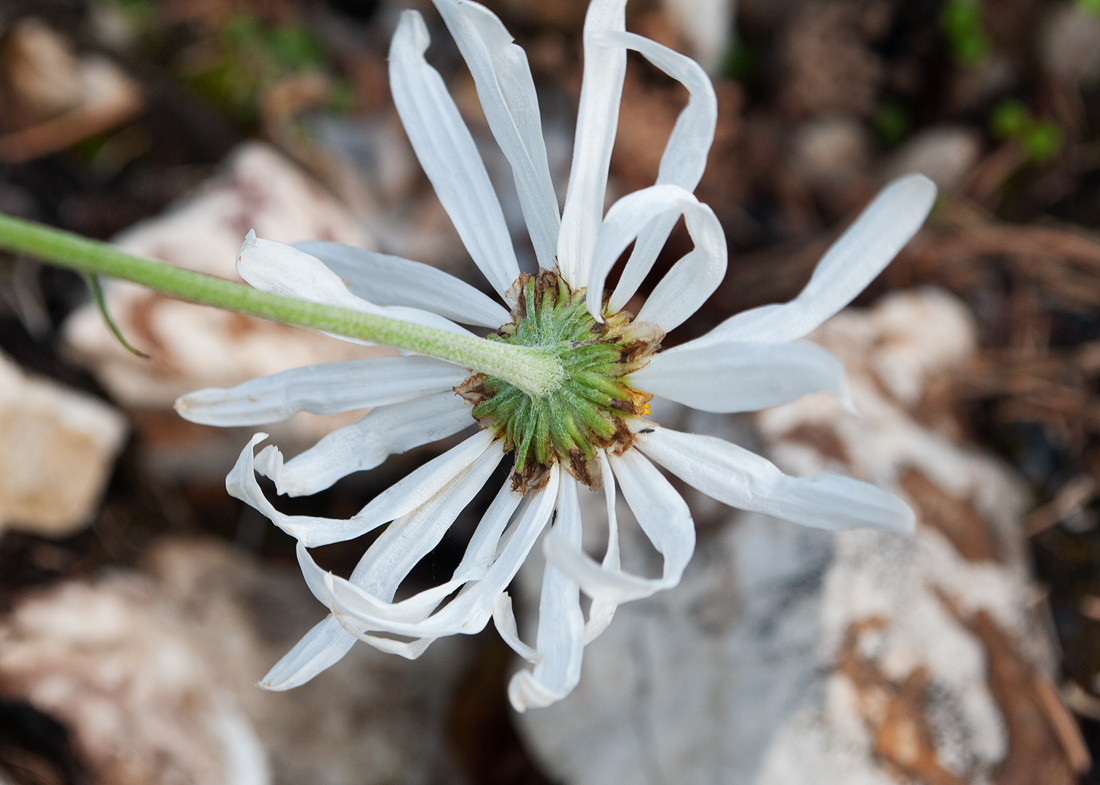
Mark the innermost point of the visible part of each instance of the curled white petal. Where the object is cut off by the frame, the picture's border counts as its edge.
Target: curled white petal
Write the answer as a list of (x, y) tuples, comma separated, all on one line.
[(278, 268), (690, 281), (391, 280), (559, 642), (853, 261), (327, 388), (742, 479), (741, 377), (282, 269), (504, 619), (507, 93), (447, 152), (319, 649), (382, 432), (602, 611), (397, 500), (597, 120), (663, 516), (363, 606), (684, 158)]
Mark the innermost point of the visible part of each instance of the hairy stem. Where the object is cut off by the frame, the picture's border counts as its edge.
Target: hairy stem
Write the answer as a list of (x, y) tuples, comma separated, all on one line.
[(532, 370)]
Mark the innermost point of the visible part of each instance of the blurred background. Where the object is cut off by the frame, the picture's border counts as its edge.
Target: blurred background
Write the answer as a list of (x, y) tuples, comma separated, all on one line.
[(139, 603)]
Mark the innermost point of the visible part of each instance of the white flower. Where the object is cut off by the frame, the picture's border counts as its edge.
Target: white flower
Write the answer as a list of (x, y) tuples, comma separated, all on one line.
[(753, 360)]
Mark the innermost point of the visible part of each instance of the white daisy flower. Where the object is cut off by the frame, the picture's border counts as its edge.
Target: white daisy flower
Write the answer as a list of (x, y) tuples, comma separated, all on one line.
[(593, 428)]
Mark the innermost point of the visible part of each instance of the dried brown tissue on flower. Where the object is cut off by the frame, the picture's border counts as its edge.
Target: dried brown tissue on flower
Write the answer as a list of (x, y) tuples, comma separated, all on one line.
[(588, 412)]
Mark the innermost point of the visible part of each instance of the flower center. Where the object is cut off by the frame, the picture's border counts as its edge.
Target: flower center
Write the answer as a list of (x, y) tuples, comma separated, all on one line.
[(587, 412)]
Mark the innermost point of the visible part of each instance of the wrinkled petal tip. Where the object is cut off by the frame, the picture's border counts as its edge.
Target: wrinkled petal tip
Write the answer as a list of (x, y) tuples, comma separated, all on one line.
[(906, 522), (914, 190), (525, 692), (846, 399), (274, 686)]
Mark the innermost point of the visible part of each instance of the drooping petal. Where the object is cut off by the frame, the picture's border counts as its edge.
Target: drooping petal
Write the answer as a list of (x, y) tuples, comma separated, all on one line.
[(397, 500), (504, 619), (741, 377), (447, 152), (597, 121), (382, 432), (663, 516), (319, 649), (411, 537), (602, 611), (690, 281), (327, 388), (507, 93), (742, 479), (361, 610), (853, 261), (391, 280), (482, 550), (684, 158), (559, 643), (490, 563)]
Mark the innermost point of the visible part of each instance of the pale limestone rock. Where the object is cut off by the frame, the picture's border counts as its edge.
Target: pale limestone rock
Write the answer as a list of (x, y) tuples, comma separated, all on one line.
[(1069, 45), (830, 151), (945, 155), (193, 347), (707, 25), (57, 448), (154, 676), (66, 97), (789, 656)]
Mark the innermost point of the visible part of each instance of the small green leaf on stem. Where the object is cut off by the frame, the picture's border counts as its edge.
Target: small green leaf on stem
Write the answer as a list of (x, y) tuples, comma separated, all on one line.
[(101, 303)]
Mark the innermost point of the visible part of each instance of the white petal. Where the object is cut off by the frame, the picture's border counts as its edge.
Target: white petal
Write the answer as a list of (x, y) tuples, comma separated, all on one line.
[(504, 619), (560, 638), (663, 516), (426, 481), (741, 377), (360, 609), (391, 280), (742, 479), (853, 261), (319, 649), (481, 552), (397, 500), (684, 158), (448, 154), (327, 388), (278, 268), (282, 269), (690, 281), (382, 432), (602, 611), (597, 120), (507, 93)]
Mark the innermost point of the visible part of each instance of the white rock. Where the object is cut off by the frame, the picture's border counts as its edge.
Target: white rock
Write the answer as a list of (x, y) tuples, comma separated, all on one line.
[(791, 656), (57, 448), (831, 150), (193, 347), (707, 25), (1069, 45), (154, 677), (945, 155)]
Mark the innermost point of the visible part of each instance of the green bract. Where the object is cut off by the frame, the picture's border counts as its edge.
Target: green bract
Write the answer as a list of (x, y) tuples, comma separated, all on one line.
[(586, 412)]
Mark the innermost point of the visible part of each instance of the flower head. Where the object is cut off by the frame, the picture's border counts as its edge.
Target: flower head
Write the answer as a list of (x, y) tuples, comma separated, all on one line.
[(590, 426)]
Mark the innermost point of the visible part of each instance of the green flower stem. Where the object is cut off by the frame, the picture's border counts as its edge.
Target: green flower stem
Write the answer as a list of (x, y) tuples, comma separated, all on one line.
[(534, 371)]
